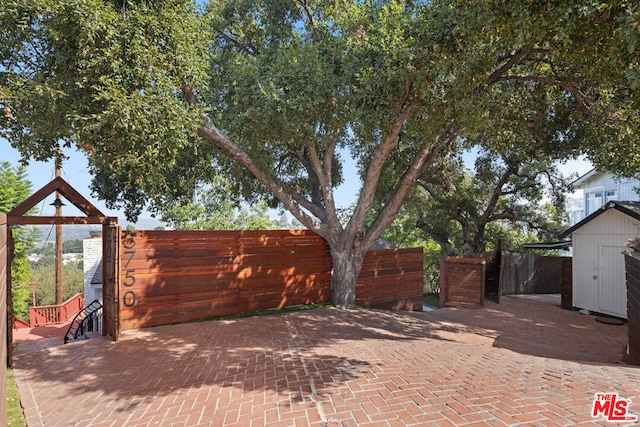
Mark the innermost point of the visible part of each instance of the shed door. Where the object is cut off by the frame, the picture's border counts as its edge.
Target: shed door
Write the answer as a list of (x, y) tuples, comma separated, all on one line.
[(612, 286)]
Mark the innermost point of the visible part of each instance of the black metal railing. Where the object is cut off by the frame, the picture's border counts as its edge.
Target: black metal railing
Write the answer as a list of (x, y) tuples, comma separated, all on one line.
[(89, 319)]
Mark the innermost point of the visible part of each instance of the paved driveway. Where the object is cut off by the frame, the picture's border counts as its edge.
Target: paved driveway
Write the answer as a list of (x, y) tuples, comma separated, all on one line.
[(516, 363)]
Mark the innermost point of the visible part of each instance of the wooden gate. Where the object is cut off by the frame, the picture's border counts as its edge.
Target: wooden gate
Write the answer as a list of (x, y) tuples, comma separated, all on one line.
[(110, 290), (462, 281)]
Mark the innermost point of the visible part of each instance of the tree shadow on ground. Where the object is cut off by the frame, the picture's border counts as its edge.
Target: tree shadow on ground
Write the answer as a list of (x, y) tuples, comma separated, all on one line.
[(292, 360), (536, 328), (296, 357)]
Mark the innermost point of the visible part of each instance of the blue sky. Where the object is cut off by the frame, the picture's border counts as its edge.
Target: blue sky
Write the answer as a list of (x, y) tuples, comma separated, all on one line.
[(74, 171)]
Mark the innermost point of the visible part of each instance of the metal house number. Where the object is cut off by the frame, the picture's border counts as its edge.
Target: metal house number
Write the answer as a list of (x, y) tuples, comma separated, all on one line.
[(129, 243)]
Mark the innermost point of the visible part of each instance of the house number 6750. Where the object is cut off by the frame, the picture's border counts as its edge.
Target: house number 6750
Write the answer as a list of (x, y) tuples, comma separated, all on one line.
[(129, 242)]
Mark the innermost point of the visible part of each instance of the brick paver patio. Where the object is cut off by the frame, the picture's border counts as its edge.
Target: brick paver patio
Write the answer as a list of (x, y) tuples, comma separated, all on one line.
[(516, 363)]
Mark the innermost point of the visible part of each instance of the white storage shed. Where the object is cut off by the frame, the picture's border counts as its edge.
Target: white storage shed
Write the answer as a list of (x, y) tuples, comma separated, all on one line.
[(599, 283)]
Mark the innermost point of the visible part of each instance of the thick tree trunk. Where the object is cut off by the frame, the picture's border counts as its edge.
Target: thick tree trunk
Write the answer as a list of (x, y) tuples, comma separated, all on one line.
[(345, 272)]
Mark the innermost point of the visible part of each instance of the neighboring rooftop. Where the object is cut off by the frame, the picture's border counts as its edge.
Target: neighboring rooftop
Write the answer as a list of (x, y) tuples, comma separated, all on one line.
[(626, 207)]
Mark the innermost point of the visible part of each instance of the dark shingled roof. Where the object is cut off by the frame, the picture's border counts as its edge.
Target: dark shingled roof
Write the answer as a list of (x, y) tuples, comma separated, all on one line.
[(628, 208), (381, 243), (97, 277)]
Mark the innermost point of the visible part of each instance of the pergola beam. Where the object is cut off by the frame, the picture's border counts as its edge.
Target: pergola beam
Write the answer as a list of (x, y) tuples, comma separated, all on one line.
[(66, 190), (50, 220)]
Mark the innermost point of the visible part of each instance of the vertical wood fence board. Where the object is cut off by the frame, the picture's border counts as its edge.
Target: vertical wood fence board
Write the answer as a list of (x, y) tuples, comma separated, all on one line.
[(632, 270), (4, 322), (533, 274), (566, 297), (500, 277), (547, 278), (525, 269), (492, 274), (110, 274)]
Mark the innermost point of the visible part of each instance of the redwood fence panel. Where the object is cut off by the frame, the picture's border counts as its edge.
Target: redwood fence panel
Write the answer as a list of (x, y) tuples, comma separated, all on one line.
[(4, 277), (632, 267), (391, 279), (463, 281), (468, 280), (176, 276)]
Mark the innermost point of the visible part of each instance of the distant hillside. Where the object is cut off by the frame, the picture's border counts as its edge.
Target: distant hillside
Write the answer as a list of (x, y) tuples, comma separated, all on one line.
[(82, 231)]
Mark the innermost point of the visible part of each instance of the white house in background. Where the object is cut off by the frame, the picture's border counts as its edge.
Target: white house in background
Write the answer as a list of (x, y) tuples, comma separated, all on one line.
[(600, 188), (92, 257), (599, 283)]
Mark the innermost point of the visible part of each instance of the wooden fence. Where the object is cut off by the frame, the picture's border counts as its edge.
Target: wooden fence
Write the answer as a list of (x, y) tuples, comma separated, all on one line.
[(4, 273), (468, 280), (391, 279), (462, 281), (533, 274), (176, 276), (566, 287), (632, 268)]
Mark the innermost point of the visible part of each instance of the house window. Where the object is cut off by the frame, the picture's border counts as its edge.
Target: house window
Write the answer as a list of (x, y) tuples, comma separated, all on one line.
[(594, 201), (610, 195)]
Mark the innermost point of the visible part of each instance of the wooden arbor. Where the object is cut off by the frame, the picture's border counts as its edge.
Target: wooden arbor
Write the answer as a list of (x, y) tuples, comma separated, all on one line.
[(17, 216)]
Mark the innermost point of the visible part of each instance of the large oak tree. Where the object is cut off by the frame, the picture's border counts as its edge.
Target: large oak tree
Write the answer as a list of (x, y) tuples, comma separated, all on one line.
[(161, 96), (459, 208)]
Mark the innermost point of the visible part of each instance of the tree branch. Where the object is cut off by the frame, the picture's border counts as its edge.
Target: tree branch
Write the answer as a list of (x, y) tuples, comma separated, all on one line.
[(441, 238), (305, 7), (249, 49), (503, 215), (210, 133), (497, 190), (316, 192), (188, 93), (583, 100), (324, 179), (512, 60), (365, 200), (423, 159)]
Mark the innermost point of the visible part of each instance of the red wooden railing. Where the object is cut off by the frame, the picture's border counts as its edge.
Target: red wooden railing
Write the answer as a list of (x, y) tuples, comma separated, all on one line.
[(20, 324), (55, 314)]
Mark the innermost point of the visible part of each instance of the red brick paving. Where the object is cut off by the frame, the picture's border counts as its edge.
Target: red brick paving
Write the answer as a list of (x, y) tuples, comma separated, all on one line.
[(516, 363)]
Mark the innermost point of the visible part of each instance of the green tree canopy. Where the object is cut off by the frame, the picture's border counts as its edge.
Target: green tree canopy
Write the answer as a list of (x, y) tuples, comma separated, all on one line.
[(213, 209), (15, 187), (463, 211), (160, 95)]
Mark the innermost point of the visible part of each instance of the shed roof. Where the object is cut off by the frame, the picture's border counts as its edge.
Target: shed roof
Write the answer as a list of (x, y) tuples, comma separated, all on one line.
[(565, 244), (631, 209)]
